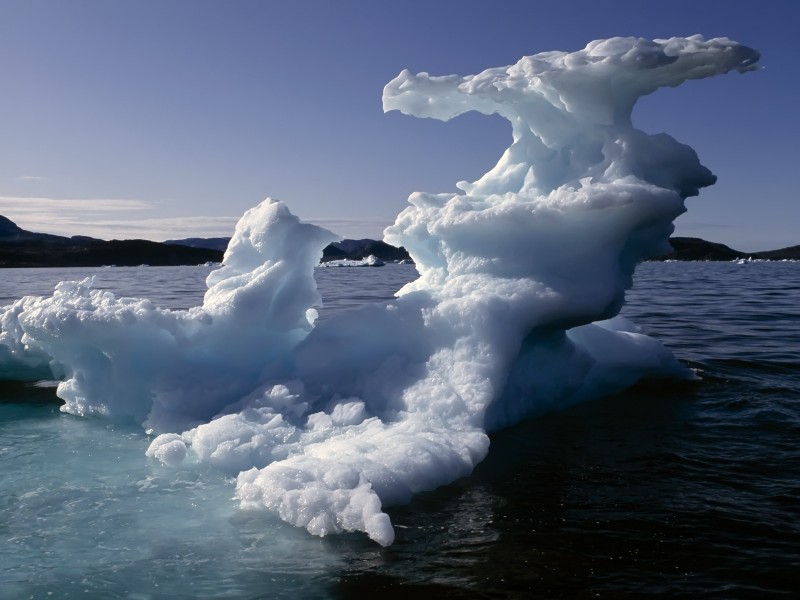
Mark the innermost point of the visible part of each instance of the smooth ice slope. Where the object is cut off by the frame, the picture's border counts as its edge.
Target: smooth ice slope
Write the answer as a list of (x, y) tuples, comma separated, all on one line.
[(514, 313)]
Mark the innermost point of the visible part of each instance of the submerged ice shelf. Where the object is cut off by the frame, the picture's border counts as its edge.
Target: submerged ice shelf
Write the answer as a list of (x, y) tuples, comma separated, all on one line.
[(327, 423)]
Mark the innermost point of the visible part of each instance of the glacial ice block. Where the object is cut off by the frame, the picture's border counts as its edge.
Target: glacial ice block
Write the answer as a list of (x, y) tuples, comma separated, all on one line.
[(515, 312)]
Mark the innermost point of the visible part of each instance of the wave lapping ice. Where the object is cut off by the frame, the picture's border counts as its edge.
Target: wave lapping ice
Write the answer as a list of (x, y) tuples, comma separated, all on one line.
[(514, 313)]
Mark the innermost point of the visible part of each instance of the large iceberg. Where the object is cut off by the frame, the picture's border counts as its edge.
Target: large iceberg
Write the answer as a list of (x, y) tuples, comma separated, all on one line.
[(521, 277)]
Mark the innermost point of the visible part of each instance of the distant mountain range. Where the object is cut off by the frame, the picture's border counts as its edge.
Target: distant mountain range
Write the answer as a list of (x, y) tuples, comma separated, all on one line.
[(21, 248)]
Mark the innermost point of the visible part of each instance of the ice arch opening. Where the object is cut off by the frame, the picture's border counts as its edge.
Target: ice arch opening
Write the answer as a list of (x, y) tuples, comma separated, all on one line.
[(522, 275)]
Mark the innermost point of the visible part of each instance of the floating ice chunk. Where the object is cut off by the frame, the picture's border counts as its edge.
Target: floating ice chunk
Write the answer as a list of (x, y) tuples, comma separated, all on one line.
[(369, 261), (522, 276)]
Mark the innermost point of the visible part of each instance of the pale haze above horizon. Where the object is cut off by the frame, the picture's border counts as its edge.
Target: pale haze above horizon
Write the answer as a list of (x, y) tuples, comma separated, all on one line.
[(169, 119)]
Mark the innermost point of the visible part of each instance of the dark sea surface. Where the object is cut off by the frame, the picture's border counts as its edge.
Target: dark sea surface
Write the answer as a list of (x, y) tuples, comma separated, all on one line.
[(686, 490)]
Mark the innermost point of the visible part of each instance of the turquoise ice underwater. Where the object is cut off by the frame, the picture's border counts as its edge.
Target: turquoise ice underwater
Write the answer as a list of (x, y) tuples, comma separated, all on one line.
[(326, 423)]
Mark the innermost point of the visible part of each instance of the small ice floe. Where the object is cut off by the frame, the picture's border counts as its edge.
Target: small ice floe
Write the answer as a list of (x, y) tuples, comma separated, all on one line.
[(369, 261)]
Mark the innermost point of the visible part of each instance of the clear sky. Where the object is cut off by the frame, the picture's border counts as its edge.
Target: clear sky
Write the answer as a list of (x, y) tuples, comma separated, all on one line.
[(166, 119)]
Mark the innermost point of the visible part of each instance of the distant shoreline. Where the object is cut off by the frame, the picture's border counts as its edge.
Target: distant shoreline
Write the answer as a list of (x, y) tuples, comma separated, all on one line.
[(697, 249), (25, 249)]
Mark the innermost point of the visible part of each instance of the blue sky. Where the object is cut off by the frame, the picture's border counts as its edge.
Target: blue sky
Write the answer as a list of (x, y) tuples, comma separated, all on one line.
[(165, 119)]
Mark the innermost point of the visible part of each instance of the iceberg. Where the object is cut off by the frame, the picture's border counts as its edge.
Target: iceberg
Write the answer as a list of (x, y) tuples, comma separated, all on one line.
[(522, 274)]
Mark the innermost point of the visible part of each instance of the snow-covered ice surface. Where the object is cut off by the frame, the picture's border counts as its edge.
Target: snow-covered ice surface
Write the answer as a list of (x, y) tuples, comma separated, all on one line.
[(521, 276)]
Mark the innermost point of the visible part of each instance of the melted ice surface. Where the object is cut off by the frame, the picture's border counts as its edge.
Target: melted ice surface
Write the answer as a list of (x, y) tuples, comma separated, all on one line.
[(514, 312)]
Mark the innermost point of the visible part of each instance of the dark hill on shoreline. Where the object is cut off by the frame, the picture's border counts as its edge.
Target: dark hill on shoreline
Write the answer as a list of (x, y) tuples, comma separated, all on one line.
[(790, 253), (699, 249), (687, 248), (21, 248)]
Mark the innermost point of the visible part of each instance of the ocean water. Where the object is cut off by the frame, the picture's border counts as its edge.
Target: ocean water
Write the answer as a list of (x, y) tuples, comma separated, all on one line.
[(691, 490)]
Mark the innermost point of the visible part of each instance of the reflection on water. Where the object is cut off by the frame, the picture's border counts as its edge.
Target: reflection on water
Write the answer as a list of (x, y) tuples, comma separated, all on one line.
[(624, 497)]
